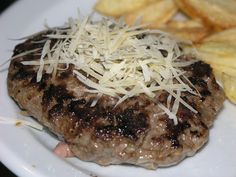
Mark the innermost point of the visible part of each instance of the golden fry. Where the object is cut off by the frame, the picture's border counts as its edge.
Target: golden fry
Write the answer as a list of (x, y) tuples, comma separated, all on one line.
[(228, 35), (229, 84), (217, 13), (117, 8), (224, 69), (218, 75), (215, 59), (188, 23), (220, 53), (222, 49), (154, 15), (188, 29)]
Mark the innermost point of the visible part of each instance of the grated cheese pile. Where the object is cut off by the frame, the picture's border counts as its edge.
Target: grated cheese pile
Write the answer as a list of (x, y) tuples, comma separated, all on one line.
[(114, 59)]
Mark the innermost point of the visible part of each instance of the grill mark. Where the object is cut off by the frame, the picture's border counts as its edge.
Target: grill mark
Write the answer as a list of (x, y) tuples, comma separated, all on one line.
[(74, 103), (205, 93), (127, 124), (131, 125), (30, 43), (198, 81), (107, 122), (201, 69), (42, 84), (59, 93), (202, 87), (27, 46), (22, 74), (66, 74), (185, 114), (174, 131), (83, 112), (196, 133), (55, 111), (16, 64)]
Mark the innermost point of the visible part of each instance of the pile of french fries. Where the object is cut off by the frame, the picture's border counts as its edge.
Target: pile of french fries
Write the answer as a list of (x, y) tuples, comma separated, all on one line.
[(209, 24)]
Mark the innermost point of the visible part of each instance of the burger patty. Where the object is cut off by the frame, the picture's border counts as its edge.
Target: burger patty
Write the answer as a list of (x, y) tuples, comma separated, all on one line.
[(134, 132)]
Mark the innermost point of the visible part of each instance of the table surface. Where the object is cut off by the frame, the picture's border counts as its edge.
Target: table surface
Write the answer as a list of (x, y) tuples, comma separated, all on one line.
[(4, 172)]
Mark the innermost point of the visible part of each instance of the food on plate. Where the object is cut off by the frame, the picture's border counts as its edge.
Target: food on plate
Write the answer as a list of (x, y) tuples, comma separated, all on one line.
[(222, 53), (118, 7), (222, 36), (154, 15), (192, 30), (219, 51), (162, 14), (116, 94), (216, 13), (228, 80), (203, 26), (229, 83)]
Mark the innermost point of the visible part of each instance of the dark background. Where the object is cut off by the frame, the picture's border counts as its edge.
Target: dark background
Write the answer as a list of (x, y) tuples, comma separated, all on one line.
[(4, 172)]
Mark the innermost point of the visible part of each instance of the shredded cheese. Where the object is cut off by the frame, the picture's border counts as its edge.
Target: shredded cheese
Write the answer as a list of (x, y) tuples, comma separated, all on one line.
[(18, 122), (113, 59)]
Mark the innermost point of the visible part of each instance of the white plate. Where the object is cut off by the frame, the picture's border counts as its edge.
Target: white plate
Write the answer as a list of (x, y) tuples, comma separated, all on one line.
[(28, 152)]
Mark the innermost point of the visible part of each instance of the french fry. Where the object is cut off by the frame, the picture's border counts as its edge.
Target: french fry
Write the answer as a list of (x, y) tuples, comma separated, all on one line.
[(220, 53), (217, 13), (218, 75), (154, 15), (116, 8), (224, 69), (215, 59), (222, 49), (228, 35), (188, 29), (219, 48), (229, 84), (189, 23)]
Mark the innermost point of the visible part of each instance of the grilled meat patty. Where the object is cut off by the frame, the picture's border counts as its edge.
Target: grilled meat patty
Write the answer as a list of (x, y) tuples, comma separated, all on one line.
[(135, 132)]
